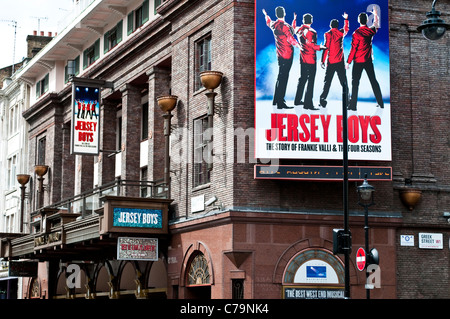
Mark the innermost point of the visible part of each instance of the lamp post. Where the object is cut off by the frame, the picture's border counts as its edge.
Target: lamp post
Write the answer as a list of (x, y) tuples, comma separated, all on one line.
[(365, 199), (433, 28), (23, 180), (167, 103), (41, 170), (210, 80), (347, 237)]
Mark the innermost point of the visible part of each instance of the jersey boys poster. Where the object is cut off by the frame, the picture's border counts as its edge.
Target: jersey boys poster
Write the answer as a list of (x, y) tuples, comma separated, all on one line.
[(306, 51), (85, 120)]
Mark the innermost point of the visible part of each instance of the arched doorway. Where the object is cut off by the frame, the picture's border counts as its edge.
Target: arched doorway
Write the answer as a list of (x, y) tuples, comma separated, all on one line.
[(314, 274), (198, 277)]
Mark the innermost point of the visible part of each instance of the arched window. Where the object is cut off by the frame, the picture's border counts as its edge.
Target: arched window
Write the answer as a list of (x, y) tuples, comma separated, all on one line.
[(198, 273)]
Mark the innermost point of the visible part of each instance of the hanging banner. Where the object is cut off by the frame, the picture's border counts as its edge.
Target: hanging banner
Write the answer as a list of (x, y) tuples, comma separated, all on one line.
[(85, 119), (306, 51)]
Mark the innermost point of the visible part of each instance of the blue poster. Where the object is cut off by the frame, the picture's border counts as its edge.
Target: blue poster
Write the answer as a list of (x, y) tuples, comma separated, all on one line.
[(306, 53)]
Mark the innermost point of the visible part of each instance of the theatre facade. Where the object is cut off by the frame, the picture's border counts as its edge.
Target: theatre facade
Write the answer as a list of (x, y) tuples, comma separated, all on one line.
[(161, 165)]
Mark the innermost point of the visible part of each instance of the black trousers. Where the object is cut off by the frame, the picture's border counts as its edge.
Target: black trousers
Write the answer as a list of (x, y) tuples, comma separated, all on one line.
[(307, 75), (356, 77), (331, 69), (284, 67)]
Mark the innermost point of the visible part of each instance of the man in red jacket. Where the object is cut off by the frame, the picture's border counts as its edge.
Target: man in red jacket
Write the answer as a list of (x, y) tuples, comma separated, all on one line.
[(333, 56), (285, 43), (361, 55), (308, 40)]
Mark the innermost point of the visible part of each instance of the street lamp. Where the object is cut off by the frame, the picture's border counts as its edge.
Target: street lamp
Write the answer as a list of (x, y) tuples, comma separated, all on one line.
[(365, 199), (211, 81), (23, 181), (433, 28), (167, 103), (41, 170)]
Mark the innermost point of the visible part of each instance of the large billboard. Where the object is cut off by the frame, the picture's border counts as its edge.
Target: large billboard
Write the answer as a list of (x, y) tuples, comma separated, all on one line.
[(306, 52), (85, 119)]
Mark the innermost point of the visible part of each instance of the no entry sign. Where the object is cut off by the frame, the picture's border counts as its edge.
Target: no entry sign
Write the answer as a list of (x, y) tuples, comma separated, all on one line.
[(361, 259)]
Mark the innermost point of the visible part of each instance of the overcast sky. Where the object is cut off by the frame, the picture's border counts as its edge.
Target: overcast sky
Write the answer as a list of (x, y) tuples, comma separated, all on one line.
[(30, 15)]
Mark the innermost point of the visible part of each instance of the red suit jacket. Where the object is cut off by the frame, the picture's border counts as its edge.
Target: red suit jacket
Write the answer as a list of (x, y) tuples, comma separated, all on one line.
[(308, 40), (334, 43), (361, 50), (284, 38)]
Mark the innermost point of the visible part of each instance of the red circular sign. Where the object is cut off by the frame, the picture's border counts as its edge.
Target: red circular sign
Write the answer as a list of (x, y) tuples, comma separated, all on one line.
[(361, 259)]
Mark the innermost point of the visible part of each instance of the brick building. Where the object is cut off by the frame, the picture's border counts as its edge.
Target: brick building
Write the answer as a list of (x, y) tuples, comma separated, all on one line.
[(223, 233)]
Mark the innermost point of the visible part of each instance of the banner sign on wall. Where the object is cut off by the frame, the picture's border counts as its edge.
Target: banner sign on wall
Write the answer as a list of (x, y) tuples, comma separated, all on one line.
[(23, 268), (85, 119), (305, 53), (129, 248)]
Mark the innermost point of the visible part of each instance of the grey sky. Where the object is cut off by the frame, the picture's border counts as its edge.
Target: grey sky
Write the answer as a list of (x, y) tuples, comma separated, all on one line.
[(29, 15)]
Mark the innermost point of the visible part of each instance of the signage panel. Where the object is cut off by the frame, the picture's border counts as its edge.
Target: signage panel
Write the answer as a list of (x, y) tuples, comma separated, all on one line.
[(23, 268), (85, 119), (137, 248), (313, 293), (137, 217), (406, 240), (303, 58), (324, 173), (431, 241)]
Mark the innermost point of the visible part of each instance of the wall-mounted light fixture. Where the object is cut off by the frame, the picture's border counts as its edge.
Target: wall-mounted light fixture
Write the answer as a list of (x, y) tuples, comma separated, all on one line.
[(23, 180), (167, 103), (410, 197), (40, 171), (211, 81), (433, 28)]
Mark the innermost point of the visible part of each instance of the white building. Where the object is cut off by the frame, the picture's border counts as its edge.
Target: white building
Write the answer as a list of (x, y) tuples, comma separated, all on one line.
[(14, 99)]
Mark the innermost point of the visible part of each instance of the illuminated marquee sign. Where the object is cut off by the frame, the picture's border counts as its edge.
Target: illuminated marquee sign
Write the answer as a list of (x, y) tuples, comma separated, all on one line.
[(322, 173), (137, 217), (299, 67), (85, 119)]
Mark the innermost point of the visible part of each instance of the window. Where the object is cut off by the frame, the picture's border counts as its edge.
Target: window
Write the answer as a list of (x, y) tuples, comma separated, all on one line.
[(12, 162), (113, 37), (13, 119), (203, 59), (42, 86), (41, 151), (201, 171), (238, 288), (144, 176), (157, 4), (91, 54), (198, 273), (77, 69), (138, 17), (119, 133), (144, 130)]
